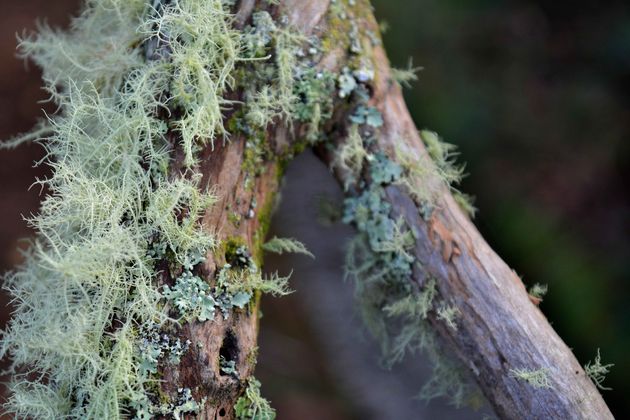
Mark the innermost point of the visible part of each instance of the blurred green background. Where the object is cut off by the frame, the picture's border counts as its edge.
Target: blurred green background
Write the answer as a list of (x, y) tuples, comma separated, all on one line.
[(537, 97), (536, 94)]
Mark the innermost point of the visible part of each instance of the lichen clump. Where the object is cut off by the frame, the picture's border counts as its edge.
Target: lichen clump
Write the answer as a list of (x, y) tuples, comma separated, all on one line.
[(136, 83), (380, 260), (596, 371), (252, 406), (538, 378), (128, 77)]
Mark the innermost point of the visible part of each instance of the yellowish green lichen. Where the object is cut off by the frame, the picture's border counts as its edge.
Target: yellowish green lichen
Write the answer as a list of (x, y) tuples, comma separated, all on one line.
[(538, 291), (538, 378), (87, 287), (282, 245), (252, 406), (114, 212), (597, 371)]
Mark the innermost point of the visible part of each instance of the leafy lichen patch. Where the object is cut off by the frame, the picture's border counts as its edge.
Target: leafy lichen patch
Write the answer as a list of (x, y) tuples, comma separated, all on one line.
[(380, 259)]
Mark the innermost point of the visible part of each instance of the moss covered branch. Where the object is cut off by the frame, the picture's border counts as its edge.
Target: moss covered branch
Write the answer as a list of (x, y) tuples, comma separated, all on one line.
[(139, 298)]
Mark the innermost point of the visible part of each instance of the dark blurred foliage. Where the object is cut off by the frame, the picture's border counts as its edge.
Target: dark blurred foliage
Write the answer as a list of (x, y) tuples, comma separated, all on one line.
[(537, 97), (20, 94), (536, 94)]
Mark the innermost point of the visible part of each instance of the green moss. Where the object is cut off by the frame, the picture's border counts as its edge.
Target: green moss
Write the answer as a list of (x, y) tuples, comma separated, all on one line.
[(235, 219), (265, 214), (231, 246), (339, 25), (252, 357), (257, 153)]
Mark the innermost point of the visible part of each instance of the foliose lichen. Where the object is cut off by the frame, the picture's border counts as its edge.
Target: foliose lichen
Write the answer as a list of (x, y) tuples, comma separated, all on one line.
[(380, 260)]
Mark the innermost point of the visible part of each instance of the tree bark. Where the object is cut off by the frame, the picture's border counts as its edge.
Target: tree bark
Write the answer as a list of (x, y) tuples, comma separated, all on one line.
[(499, 328)]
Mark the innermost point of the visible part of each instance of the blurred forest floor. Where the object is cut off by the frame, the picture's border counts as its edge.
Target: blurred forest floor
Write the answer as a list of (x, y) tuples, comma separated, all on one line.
[(537, 97)]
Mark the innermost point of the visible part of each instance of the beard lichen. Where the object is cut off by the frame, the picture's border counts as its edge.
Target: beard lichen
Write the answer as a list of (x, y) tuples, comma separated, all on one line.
[(596, 372), (129, 77), (252, 406), (538, 378), (282, 245), (86, 292), (87, 309)]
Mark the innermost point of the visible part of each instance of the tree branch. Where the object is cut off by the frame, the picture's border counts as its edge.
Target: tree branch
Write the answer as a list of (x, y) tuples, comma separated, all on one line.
[(337, 94), (499, 330)]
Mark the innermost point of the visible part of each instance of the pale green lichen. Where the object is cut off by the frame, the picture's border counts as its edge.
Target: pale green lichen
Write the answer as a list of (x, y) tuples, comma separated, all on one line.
[(414, 306), (351, 155), (426, 175), (413, 309), (184, 404), (597, 372), (538, 291), (405, 77), (252, 406), (367, 115), (380, 258), (282, 245), (347, 83), (192, 297), (448, 314), (204, 49), (235, 281), (87, 288), (443, 155), (228, 367), (286, 63), (314, 92), (381, 265), (281, 82), (538, 378), (181, 234), (155, 346), (466, 203)]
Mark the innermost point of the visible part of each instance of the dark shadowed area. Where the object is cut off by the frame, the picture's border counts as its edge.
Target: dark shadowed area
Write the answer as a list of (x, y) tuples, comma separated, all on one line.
[(537, 97)]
